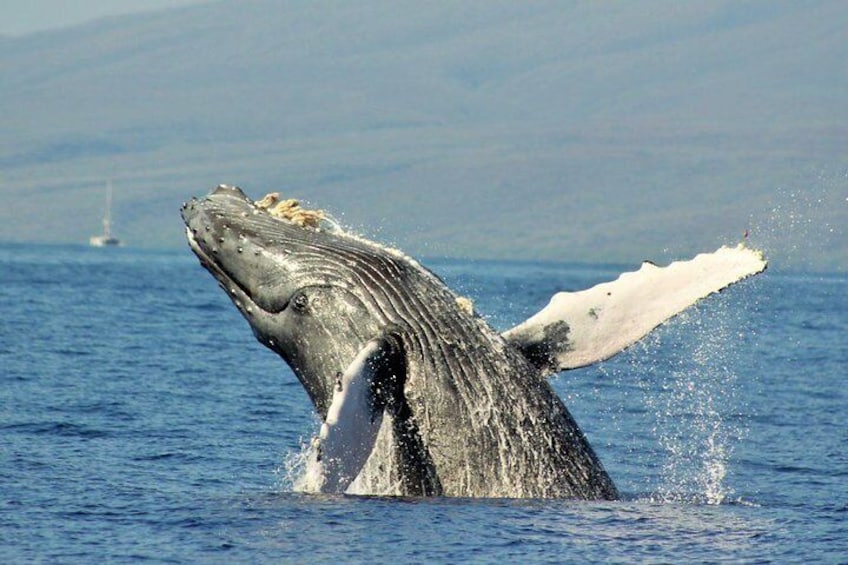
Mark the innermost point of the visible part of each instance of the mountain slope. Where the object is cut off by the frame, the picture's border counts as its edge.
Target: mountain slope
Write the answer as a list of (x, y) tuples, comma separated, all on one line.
[(563, 130)]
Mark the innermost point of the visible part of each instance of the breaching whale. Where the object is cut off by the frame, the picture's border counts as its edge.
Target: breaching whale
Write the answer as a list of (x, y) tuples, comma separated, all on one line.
[(417, 394)]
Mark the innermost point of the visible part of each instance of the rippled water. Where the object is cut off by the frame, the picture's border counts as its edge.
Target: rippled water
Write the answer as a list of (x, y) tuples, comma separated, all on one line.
[(141, 420)]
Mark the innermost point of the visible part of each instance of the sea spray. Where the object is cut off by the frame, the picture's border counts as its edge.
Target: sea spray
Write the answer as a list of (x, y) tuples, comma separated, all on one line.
[(680, 407), (803, 223), (292, 473), (693, 396)]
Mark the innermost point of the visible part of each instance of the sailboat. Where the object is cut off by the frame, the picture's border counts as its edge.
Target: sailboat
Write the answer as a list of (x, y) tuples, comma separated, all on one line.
[(107, 239)]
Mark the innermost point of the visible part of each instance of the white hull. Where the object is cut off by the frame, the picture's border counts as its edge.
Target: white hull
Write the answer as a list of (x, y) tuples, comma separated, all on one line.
[(104, 241)]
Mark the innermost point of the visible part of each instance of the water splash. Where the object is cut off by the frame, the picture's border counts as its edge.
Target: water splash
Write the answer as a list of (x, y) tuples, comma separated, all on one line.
[(691, 393), (689, 372), (705, 392), (292, 473), (803, 224)]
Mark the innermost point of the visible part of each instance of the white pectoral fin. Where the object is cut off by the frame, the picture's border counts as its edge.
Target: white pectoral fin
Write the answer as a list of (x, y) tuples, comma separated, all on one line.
[(580, 328), (348, 434)]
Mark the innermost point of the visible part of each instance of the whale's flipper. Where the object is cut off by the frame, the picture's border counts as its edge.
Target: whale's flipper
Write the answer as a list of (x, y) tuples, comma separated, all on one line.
[(580, 328), (348, 434)]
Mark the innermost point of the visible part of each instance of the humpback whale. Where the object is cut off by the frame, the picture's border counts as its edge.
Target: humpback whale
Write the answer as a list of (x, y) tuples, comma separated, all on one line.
[(417, 394)]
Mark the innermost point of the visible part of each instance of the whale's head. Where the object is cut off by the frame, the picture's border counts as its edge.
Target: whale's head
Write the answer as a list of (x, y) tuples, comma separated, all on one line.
[(310, 291)]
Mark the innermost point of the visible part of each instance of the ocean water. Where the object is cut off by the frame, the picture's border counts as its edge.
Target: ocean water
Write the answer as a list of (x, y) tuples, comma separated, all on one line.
[(141, 421)]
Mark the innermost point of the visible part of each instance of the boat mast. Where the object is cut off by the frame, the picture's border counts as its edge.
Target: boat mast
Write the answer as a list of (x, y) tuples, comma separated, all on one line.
[(107, 218)]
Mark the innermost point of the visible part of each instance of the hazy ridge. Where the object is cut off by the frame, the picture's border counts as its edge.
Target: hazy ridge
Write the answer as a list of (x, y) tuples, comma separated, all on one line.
[(559, 130)]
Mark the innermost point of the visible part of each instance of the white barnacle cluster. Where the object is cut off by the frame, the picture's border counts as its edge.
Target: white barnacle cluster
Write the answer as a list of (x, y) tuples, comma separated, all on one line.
[(291, 210), (465, 304)]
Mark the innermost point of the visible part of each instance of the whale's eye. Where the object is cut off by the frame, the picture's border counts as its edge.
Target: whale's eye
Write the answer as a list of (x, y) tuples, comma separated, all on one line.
[(300, 301)]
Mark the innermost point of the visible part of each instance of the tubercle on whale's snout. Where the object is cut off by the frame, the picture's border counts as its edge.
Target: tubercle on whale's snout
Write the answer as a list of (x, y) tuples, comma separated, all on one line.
[(195, 227), (208, 220)]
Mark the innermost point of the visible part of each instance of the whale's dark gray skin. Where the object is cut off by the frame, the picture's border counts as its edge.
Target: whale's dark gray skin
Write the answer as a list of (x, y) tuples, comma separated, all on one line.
[(417, 395), (464, 414)]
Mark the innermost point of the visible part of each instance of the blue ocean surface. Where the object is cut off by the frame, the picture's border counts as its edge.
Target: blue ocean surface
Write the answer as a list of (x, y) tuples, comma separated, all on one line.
[(141, 421)]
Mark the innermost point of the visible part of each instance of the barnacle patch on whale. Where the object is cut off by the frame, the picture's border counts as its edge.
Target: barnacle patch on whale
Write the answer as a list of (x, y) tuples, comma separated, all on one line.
[(291, 210)]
